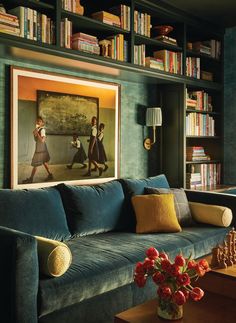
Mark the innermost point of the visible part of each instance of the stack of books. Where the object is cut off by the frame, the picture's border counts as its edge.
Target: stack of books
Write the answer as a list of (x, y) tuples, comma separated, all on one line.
[(198, 124), (196, 153), (199, 100), (9, 24), (155, 63), (72, 6), (193, 67), (142, 23), (166, 39), (85, 43), (123, 12), (193, 180), (107, 18), (35, 25), (139, 55), (66, 33), (210, 47), (202, 48), (172, 61)]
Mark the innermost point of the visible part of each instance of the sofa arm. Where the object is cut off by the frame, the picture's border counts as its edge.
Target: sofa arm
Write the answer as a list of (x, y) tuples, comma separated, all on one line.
[(19, 277), (214, 198)]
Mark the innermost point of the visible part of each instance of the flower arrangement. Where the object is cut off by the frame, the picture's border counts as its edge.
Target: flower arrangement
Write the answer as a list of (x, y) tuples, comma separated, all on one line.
[(173, 280)]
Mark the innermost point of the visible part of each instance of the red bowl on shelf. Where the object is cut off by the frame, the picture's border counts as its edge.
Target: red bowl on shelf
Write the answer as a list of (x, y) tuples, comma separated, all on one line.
[(162, 30)]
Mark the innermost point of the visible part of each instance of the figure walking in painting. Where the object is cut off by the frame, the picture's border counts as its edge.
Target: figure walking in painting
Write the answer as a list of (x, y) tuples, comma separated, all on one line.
[(80, 155), (93, 154), (41, 155), (101, 149)]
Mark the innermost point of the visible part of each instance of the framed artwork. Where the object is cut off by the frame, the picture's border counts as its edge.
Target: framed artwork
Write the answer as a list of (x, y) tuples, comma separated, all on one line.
[(63, 129)]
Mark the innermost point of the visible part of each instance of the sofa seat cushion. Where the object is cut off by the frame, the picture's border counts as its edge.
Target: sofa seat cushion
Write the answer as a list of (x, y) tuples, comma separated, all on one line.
[(38, 212), (92, 209), (106, 261)]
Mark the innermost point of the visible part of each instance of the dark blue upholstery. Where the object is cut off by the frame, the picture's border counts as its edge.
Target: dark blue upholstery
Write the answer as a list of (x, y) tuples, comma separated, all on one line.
[(105, 262), (92, 209), (37, 211)]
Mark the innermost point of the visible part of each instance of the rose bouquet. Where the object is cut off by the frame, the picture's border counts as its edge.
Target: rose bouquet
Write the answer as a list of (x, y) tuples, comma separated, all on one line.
[(173, 280)]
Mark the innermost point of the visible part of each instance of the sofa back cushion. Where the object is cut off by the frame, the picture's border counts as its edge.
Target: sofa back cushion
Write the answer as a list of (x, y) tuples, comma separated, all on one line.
[(134, 187), (36, 211), (92, 209)]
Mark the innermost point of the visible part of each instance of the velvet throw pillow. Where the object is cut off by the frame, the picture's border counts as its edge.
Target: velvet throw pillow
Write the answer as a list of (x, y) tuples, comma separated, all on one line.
[(181, 204), (155, 213)]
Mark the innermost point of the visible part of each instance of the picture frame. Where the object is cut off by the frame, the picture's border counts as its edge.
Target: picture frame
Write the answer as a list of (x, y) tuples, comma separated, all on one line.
[(64, 129)]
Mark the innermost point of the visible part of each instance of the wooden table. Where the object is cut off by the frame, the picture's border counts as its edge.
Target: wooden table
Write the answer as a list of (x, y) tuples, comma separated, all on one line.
[(217, 305)]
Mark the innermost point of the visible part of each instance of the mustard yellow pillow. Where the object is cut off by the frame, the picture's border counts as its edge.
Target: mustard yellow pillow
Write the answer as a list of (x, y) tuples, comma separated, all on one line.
[(220, 216), (155, 213), (54, 257)]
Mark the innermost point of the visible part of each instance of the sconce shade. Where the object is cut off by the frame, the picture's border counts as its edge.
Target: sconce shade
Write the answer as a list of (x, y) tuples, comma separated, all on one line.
[(153, 117)]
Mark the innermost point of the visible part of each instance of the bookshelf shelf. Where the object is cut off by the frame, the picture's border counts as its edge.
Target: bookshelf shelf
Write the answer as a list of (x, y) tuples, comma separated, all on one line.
[(171, 87), (203, 162)]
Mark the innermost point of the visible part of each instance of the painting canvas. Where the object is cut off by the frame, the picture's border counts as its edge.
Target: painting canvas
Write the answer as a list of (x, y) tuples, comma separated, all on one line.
[(63, 129)]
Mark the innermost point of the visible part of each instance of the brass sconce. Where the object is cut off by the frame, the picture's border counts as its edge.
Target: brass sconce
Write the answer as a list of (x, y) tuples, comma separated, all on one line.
[(153, 119)]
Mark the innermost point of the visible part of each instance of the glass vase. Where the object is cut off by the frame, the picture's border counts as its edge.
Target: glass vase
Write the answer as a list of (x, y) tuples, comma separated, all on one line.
[(170, 311)]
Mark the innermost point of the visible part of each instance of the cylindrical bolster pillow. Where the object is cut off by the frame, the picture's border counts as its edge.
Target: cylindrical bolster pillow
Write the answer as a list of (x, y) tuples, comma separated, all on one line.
[(220, 216), (54, 257)]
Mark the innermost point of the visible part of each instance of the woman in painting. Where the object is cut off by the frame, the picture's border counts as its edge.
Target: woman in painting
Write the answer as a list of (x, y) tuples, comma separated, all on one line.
[(101, 149), (41, 155), (80, 155), (93, 154)]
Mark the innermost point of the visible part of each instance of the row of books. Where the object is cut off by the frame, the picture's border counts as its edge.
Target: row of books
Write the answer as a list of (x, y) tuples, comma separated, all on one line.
[(142, 23), (199, 100), (196, 153), (193, 67), (122, 11), (139, 55), (35, 25), (71, 5), (172, 61), (198, 124), (119, 48), (9, 24), (210, 47), (204, 175)]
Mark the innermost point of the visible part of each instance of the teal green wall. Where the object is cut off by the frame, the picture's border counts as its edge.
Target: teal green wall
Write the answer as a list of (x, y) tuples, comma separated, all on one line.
[(230, 107), (134, 160)]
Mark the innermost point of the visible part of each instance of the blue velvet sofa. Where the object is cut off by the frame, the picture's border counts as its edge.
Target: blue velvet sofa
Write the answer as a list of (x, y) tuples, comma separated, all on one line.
[(98, 224)]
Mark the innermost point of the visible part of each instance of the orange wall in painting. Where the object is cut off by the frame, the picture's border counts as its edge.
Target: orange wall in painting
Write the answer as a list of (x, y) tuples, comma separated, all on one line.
[(28, 87)]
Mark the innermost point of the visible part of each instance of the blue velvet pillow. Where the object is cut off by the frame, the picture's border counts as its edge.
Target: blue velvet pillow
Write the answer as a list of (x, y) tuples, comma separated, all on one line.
[(36, 211), (133, 187), (92, 209)]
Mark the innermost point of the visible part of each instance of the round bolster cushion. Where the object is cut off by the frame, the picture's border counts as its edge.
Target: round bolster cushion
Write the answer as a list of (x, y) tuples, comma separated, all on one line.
[(217, 215), (54, 257)]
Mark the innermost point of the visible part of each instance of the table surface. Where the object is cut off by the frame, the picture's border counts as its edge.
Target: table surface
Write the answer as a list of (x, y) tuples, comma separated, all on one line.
[(217, 305)]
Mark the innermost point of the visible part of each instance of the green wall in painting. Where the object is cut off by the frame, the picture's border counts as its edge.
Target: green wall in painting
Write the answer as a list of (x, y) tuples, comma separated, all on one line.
[(134, 160)]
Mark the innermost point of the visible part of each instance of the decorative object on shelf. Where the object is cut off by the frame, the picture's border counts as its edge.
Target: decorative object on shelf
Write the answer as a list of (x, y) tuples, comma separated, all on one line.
[(2, 8), (173, 280), (104, 45), (162, 30), (225, 255), (153, 119), (207, 76), (78, 8)]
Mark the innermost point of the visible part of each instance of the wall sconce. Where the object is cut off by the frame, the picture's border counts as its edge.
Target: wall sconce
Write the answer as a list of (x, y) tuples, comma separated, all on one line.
[(153, 119)]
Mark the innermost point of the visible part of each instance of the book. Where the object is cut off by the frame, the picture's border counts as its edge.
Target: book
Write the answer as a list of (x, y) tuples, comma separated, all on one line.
[(107, 17), (166, 39)]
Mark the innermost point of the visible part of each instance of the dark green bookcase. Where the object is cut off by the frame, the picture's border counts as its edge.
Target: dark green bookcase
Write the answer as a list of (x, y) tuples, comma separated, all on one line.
[(171, 88)]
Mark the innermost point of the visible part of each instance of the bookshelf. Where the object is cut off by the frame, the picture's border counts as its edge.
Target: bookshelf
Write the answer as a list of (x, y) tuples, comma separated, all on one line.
[(140, 39)]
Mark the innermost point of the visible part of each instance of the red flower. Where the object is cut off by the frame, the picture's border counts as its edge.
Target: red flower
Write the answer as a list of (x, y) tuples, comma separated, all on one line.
[(204, 264), (148, 264), (179, 297), (186, 293), (199, 270), (166, 265), (191, 264), (152, 253), (139, 269), (179, 260), (183, 279), (163, 255), (164, 292), (174, 270), (158, 278), (140, 280), (196, 293)]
